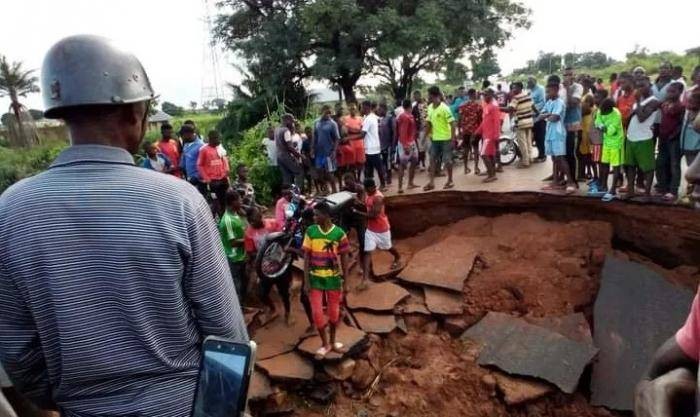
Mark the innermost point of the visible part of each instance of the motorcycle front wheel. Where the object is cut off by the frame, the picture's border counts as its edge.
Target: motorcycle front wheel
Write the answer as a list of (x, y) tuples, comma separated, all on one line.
[(507, 151), (272, 260)]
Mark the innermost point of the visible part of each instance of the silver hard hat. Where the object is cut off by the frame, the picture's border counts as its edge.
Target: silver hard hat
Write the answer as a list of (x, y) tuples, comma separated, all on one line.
[(89, 70)]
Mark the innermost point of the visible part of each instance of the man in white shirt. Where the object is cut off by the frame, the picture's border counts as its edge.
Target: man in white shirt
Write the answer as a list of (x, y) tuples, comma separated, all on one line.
[(370, 133), (639, 152)]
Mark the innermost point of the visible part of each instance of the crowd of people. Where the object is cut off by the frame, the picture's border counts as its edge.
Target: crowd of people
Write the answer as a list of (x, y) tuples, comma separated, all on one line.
[(636, 129)]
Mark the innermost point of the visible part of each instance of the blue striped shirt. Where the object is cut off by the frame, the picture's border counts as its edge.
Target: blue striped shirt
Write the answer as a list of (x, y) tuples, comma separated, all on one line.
[(110, 277)]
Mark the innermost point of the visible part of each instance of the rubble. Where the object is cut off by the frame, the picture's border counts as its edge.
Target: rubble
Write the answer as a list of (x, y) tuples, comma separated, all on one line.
[(288, 367), (340, 371), (350, 337), (441, 301), (445, 264), (375, 323), (377, 297), (517, 391)]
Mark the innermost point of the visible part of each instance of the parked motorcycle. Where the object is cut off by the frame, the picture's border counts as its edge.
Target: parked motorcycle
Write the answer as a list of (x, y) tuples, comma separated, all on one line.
[(274, 257)]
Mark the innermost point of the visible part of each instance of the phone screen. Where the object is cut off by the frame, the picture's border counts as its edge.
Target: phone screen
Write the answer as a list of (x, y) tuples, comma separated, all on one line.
[(223, 380)]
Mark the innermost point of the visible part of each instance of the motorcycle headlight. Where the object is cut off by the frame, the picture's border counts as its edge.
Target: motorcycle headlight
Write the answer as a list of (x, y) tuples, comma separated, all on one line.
[(289, 211)]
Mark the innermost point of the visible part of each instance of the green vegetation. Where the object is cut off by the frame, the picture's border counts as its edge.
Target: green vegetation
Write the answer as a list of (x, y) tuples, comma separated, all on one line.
[(600, 65), (20, 163)]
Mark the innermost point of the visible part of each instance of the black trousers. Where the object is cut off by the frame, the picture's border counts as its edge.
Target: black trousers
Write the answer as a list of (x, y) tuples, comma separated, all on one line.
[(372, 163), (282, 284), (572, 141), (386, 161), (668, 165), (538, 133), (240, 279)]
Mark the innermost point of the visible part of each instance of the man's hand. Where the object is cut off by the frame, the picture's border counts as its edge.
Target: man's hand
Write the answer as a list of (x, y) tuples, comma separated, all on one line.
[(661, 396)]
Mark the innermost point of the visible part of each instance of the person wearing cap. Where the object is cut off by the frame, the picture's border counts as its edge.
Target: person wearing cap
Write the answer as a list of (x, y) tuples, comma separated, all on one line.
[(192, 144), (112, 275), (170, 147), (288, 157)]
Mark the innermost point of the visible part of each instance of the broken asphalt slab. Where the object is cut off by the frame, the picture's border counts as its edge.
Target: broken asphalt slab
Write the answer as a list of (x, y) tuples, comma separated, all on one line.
[(375, 323), (574, 326), (378, 297), (445, 264), (350, 337), (381, 265), (277, 338), (520, 348), (441, 301), (636, 311), (288, 367), (260, 387)]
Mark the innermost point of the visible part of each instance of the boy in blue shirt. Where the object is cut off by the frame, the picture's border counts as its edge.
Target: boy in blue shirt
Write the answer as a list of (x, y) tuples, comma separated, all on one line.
[(555, 138)]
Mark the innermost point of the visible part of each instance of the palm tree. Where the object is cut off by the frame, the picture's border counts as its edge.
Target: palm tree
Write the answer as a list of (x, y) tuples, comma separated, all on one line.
[(17, 82)]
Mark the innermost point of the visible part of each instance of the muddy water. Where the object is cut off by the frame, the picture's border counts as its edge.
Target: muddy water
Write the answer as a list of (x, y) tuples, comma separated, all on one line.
[(542, 263)]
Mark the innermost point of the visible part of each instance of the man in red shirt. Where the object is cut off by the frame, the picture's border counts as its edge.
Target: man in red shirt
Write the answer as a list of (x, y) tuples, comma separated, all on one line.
[(490, 130), (626, 98), (378, 233), (470, 113), (408, 145), (170, 148), (213, 168)]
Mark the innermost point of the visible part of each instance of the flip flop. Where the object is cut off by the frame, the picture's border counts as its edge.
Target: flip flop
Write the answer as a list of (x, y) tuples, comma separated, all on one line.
[(448, 185), (413, 186), (322, 352), (570, 190), (552, 187), (428, 188), (608, 197), (489, 179)]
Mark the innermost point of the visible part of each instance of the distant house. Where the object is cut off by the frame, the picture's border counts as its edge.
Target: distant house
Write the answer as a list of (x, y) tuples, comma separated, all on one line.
[(155, 121)]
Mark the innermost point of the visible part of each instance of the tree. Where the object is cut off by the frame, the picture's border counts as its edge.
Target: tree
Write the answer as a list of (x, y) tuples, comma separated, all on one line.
[(16, 82), (193, 105), (36, 114), (426, 35), (172, 109), (484, 65)]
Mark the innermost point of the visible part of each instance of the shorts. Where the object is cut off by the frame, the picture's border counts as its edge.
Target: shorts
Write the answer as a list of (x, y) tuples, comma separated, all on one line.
[(640, 154), (442, 150), (358, 149), (374, 240), (596, 150), (612, 156), (412, 156), (346, 155), (324, 163), (488, 147), (556, 147)]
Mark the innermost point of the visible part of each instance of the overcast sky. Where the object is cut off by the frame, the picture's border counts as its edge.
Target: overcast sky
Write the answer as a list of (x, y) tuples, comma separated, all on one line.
[(169, 36)]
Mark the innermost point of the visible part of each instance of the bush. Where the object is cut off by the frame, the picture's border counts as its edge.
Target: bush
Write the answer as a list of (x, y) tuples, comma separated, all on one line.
[(19, 163)]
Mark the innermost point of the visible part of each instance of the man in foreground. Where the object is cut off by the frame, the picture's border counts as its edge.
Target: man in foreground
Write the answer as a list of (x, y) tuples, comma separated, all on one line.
[(112, 322)]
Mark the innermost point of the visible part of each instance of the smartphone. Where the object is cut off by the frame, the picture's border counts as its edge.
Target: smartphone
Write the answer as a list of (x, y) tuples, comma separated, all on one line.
[(224, 376)]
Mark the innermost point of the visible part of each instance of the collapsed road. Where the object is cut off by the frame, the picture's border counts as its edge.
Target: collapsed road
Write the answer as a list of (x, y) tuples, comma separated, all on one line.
[(510, 304)]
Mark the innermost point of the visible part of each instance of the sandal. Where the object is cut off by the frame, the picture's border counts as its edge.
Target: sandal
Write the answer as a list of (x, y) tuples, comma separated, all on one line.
[(428, 187), (570, 190), (338, 348), (322, 352), (552, 187), (400, 191), (669, 197), (448, 185), (489, 179), (608, 197), (412, 186)]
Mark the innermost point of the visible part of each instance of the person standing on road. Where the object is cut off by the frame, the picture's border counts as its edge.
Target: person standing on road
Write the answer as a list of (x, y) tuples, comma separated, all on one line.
[(572, 121), (288, 157), (113, 322), (521, 107), (407, 148), (555, 139), (668, 162), (372, 144), (353, 150), (470, 113), (489, 130), (442, 131), (420, 114), (639, 151), (540, 126), (324, 145)]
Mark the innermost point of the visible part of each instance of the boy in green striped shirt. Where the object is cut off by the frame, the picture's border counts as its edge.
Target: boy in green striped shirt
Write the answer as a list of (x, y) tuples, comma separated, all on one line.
[(326, 249)]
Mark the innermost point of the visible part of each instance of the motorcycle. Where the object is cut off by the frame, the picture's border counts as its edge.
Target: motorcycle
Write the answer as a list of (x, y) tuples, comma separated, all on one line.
[(279, 249)]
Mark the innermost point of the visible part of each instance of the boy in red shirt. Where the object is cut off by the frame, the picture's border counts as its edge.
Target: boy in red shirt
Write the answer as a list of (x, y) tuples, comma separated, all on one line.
[(490, 130), (170, 148), (408, 145), (213, 169)]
